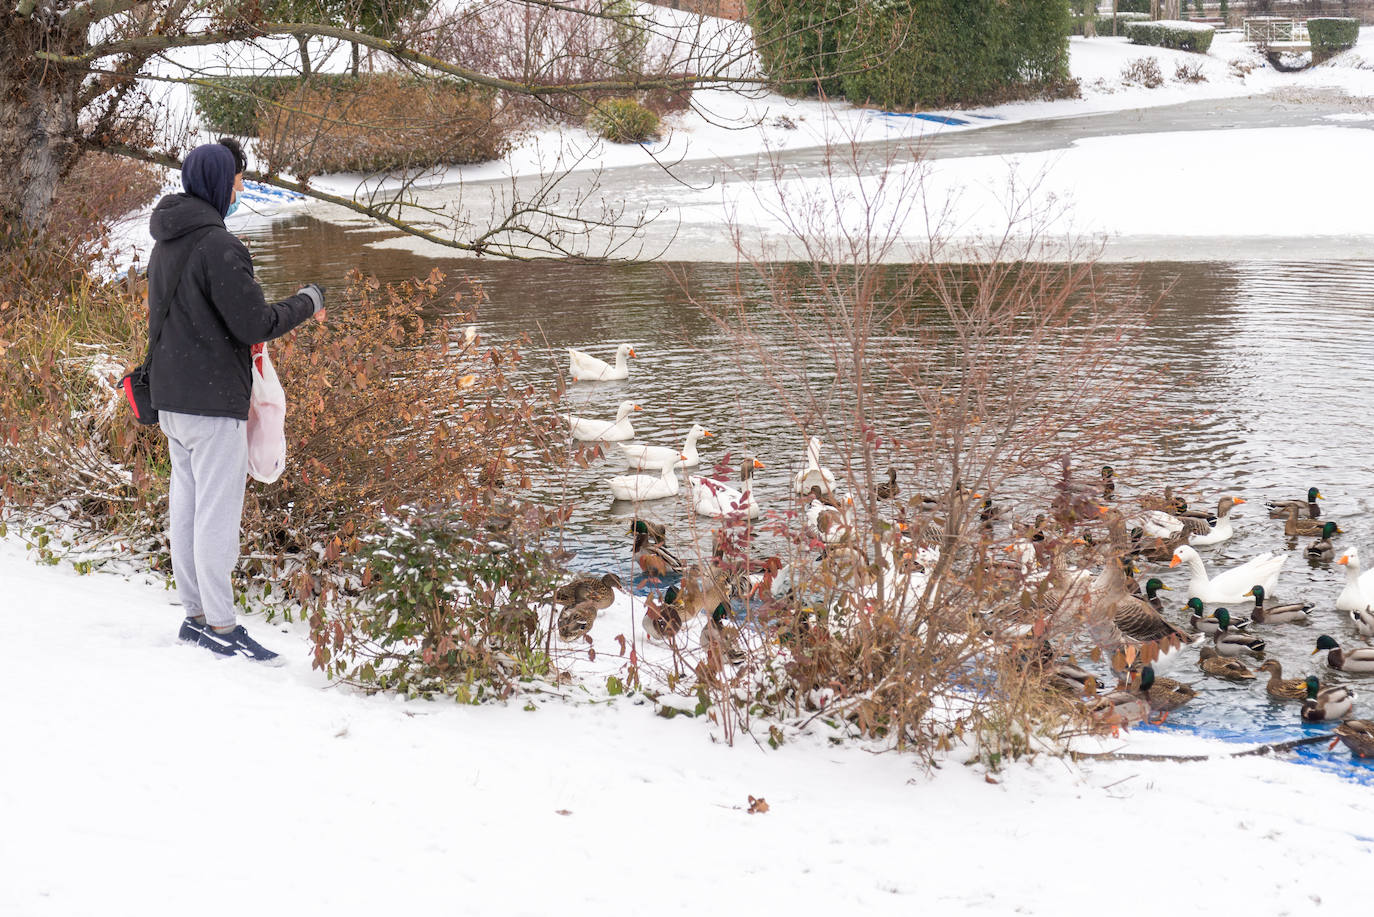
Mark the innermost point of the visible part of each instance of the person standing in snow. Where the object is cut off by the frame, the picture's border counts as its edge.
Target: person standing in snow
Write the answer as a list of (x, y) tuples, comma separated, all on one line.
[(205, 311)]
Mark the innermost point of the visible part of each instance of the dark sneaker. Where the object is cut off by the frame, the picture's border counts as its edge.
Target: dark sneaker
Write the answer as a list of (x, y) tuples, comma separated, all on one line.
[(238, 643), (191, 629)]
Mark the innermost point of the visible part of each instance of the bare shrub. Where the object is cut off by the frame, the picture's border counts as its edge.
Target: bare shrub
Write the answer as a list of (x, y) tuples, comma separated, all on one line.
[(1143, 71), (381, 122), (1185, 72), (982, 383)]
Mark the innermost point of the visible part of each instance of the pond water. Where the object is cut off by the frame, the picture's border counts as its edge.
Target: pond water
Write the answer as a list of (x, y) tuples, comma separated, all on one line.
[(1280, 356)]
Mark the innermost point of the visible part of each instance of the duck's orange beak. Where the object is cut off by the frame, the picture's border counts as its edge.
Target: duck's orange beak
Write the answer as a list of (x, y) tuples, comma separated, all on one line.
[(1176, 561)]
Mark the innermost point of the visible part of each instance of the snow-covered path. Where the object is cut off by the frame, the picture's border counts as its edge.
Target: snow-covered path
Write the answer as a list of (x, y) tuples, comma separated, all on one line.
[(143, 777)]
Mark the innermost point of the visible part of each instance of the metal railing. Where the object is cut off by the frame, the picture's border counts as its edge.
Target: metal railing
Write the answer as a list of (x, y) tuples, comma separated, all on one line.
[(1269, 29)]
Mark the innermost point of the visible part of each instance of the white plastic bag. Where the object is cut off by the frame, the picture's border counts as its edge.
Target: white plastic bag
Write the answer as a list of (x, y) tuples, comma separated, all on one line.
[(266, 420)]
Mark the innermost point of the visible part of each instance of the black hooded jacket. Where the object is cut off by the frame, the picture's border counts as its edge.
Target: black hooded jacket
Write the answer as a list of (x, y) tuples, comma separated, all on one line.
[(201, 364)]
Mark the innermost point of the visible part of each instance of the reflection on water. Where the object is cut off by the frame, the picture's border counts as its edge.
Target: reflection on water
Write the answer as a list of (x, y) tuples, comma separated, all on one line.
[(1272, 369)]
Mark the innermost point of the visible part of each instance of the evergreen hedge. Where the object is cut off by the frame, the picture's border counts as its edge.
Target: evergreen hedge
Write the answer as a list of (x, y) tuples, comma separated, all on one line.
[(229, 105), (799, 43), (1172, 33), (901, 54), (1331, 35), (1104, 23)]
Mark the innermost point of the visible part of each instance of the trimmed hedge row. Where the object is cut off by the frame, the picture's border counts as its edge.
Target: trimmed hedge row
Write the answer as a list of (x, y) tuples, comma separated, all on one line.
[(1104, 23), (230, 104), (1332, 35), (1172, 33), (900, 54)]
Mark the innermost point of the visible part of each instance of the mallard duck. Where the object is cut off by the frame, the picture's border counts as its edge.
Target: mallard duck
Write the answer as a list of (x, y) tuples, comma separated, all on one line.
[(652, 458), (1358, 594), (654, 558), (1232, 585), (703, 588), (1118, 708), (812, 473), (1159, 550), (1280, 687), (584, 367), (1268, 612), (655, 532), (988, 513), (575, 620), (833, 526), (1229, 643), (1363, 620), (1358, 736), (1164, 694), (1293, 526), (1279, 508), (1152, 587), (886, 490), (1360, 660), (1322, 549), (1326, 703), (599, 590), (1157, 524), (1217, 665), (720, 640), (589, 429), (1203, 532), (1108, 482), (1203, 622), (640, 487), (663, 618), (1071, 679), (1138, 633), (1167, 504), (712, 498)]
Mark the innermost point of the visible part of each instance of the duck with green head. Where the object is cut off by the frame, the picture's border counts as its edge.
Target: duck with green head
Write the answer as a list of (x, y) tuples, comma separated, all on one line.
[(720, 639), (1267, 611), (1108, 482), (1279, 508), (651, 552), (1360, 660), (663, 618), (1293, 526), (1164, 694), (1204, 623), (1322, 549), (1231, 644), (1326, 703), (1152, 587)]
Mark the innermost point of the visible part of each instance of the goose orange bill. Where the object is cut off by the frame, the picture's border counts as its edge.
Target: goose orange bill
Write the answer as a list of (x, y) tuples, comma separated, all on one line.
[(707, 433), (1237, 500), (632, 352), (758, 464), (1345, 559), (638, 408), (1176, 561)]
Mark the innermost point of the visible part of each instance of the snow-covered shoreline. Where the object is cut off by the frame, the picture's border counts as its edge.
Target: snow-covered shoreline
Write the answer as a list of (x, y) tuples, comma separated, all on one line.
[(145, 777)]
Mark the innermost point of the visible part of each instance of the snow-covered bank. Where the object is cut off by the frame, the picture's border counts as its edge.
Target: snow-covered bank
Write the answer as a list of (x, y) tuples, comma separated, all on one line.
[(144, 777)]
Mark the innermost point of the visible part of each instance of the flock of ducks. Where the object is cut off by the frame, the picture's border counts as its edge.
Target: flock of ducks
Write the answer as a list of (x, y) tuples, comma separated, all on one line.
[(1225, 637), (1164, 529)]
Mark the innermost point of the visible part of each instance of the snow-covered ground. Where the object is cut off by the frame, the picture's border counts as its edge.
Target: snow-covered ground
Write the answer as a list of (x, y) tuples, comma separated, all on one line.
[(1106, 188), (143, 777)]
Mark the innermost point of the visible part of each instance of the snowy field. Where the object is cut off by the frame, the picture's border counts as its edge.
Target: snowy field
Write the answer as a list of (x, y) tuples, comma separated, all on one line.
[(144, 777)]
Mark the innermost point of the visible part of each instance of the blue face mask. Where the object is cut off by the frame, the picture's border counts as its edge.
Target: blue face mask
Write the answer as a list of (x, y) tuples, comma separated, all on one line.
[(232, 207)]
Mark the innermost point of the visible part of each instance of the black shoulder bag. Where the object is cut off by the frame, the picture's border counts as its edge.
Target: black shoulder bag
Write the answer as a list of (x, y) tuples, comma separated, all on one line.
[(134, 384)]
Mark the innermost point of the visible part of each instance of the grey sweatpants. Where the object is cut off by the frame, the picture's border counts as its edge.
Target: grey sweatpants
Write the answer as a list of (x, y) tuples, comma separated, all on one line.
[(209, 468)]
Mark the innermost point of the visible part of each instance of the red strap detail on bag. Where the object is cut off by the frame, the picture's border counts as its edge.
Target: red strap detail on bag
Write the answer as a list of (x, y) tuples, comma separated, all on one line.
[(129, 397), (257, 355)]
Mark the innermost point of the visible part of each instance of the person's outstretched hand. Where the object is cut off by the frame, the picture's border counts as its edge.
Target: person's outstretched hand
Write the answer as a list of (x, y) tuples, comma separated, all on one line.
[(316, 294)]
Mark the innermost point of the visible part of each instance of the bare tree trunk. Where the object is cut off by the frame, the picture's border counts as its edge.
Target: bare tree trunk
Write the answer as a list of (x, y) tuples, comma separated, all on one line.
[(355, 58), (304, 43), (38, 126)]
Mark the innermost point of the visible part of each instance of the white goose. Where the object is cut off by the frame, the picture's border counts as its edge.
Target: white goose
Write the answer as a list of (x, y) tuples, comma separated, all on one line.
[(584, 367), (1232, 585), (654, 457), (712, 498), (606, 431), (1221, 529), (1157, 524), (813, 474), (1358, 594), (639, 487)]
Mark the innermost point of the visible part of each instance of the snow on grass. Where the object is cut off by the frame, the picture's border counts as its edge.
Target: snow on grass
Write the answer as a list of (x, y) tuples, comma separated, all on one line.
[(144, 777)]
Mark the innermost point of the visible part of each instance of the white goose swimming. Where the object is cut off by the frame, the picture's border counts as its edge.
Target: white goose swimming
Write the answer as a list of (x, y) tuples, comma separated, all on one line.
[(590, 429), (654, 457), (1358, 594), (639, 487), (813, 474), (584, 367), (1156, 524), (1220, 530), (712, 498), (1232, 585)]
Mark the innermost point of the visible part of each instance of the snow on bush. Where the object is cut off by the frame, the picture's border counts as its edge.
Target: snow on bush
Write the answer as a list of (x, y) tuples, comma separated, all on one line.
[(1172, 33)]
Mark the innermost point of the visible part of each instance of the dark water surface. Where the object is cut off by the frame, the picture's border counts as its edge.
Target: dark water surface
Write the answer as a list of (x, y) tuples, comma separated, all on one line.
[(1278, 358)]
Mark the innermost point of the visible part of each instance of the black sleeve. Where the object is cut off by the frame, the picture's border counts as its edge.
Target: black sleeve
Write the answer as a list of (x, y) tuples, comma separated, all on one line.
[(238, 299)]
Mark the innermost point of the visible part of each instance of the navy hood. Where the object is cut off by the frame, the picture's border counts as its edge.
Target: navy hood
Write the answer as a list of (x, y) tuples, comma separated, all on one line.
[(178, 214), (208, 173)]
